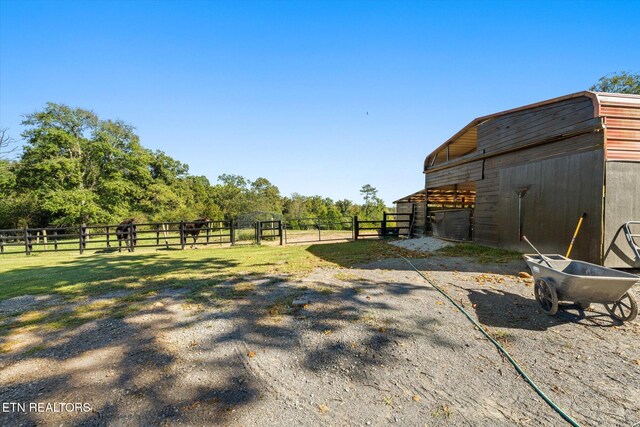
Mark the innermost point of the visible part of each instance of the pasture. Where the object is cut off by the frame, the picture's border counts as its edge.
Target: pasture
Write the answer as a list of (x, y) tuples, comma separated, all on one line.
[(307, 334)]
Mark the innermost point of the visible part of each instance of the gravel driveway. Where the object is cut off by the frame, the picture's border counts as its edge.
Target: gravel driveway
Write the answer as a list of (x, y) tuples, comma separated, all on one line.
[(374, 345)]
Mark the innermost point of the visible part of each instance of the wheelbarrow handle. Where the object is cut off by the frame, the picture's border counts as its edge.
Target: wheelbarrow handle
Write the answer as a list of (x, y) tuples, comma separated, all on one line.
[(537, 251)]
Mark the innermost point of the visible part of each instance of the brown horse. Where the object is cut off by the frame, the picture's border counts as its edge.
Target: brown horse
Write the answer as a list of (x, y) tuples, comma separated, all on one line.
[(126, 231), (193, 228)]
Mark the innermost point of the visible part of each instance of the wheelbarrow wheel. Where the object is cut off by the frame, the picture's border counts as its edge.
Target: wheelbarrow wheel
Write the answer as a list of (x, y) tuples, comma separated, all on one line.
[(546, 296), (625, 309)]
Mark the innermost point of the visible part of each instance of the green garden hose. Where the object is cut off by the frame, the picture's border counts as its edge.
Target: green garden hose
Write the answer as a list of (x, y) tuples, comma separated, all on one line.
[(546, 398)]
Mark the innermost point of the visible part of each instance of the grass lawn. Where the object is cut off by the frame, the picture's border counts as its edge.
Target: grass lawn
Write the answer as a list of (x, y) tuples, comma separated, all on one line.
[(92, 286), (87, 287)]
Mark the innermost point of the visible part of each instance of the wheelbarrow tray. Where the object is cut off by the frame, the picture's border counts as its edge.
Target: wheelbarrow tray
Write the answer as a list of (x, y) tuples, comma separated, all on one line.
[(581, 281)]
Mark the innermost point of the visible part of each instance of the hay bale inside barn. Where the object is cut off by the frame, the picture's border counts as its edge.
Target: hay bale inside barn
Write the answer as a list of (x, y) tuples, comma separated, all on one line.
[(535, 170)]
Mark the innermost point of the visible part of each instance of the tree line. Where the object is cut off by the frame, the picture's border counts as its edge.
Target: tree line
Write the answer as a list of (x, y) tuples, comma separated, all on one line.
[(76, 168)]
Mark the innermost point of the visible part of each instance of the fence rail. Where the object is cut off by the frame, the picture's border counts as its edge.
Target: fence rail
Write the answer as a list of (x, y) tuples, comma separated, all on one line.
[(391, 225), (168, 235), (304, 230)]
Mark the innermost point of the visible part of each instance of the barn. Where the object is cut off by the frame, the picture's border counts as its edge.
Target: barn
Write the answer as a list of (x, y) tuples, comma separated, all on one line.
[(535, 170)]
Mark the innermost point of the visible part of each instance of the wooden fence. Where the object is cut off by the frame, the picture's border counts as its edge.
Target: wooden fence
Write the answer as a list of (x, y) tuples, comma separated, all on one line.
[(109, 237), (128, 237), (391, 225)]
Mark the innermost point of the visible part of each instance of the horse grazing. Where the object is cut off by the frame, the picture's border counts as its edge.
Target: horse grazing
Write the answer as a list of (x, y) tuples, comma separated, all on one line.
[(193, 228), (126, 231)]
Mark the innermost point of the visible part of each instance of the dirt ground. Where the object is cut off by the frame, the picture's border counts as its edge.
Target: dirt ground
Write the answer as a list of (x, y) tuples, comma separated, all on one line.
[(375, 345)]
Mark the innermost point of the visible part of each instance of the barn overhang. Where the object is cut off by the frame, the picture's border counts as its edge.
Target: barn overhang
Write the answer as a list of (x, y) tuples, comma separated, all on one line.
[(463, 145), (417, 197)]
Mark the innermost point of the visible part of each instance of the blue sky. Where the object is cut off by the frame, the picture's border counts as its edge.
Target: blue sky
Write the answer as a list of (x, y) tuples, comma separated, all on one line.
[(282, 89)]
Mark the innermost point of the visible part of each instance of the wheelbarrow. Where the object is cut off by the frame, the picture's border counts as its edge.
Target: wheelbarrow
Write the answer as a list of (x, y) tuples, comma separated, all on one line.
[(558, 278)]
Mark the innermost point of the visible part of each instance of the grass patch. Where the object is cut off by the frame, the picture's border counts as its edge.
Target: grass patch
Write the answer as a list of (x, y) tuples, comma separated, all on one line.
[(124, 282), (501, 336), (442, 411), (347, 277), (482, 254)]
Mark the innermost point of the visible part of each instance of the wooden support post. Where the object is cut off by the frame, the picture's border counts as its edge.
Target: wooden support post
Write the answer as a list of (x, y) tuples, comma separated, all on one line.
[(44, 238), (318, 226), (384, 224), (232, 232), (27, 243), (132, 237), (55, 241), (258, 232), (108, 242), (280, 232), (208, 231), (157, 235), (182, 239), (356, 231), (1, 243), (81, 239)]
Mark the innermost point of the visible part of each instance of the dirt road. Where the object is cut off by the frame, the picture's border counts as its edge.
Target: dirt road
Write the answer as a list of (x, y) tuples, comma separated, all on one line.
[(374, 345)]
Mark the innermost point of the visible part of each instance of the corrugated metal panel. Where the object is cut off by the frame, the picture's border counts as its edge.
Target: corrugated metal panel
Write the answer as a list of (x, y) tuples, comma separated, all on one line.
[(621, 115), (452, 224)]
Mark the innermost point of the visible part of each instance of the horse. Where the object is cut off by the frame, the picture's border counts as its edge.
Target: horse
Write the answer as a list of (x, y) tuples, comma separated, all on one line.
[(126, 231), (193, 228)]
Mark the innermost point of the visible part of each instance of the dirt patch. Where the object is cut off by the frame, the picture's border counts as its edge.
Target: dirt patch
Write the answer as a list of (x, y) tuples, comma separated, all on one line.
[(373, 345), (422, 244)]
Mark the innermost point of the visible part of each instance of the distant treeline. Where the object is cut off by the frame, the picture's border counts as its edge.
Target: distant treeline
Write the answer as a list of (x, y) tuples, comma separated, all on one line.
[(76, 168)]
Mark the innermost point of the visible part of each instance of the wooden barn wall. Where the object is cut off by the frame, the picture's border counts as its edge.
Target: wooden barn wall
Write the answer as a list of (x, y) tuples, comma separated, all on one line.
[(468, 172), (535, 124), (420, 215), (565, 179), (622, 204)]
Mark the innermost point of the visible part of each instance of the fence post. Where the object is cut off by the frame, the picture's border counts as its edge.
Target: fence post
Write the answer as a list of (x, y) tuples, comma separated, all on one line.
[(182, 239), (208, 230), (356, 226), (165, 227), (27, 244), (280, 232), (132, 237), (232, 232), (108, 242), (157, 235), (81, 239), (384, 224), (257, 232), (1, 243), (55, 241)]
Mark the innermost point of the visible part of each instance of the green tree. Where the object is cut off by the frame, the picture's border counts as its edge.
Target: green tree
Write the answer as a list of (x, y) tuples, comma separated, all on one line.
[(7, 143), (620, 82), (373, 205), (264, 196)]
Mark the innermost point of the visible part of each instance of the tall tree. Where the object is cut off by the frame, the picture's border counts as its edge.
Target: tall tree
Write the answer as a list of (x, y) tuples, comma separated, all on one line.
[(620, 82), (7, 143)]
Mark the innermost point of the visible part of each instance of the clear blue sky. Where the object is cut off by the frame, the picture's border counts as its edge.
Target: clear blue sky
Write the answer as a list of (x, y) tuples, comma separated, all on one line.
[(282, 89)]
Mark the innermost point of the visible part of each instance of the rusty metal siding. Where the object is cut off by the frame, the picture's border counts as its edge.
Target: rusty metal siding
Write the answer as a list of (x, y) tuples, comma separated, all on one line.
[(622, 119)]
